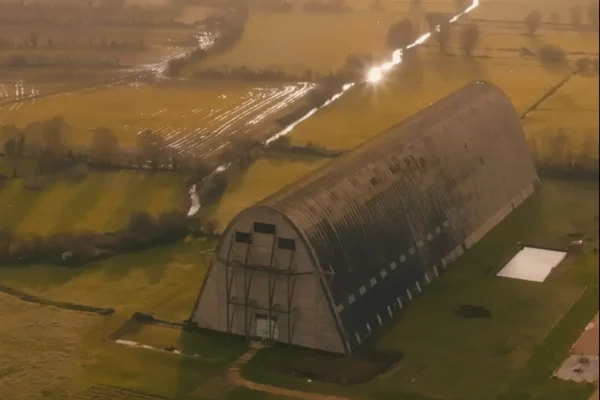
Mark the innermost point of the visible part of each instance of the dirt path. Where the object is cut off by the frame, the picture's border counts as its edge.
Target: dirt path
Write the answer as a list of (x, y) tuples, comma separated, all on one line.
[(587, 344), (235, 377)]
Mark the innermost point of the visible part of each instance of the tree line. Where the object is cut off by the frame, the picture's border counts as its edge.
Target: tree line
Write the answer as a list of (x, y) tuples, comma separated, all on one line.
[(229, 28), (33, 41), (405, 32), (534, 19)]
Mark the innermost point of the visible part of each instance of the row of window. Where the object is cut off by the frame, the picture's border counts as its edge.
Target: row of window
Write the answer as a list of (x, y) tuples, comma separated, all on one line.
[(268, 229), (383, 273)]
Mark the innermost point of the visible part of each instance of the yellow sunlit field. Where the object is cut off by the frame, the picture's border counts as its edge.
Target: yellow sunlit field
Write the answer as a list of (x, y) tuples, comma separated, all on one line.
[(368, 110), (101, 202), (189, 116), (266, 176), (80, 42), (297, 49), (573, 111), (295, 41)]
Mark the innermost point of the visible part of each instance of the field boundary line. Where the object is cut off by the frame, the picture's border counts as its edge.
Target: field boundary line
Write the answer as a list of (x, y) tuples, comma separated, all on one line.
[(59, 304), (546, 95)]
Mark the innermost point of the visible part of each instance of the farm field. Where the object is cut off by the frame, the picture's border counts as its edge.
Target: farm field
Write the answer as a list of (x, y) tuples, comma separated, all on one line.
[(573, 112), (104, 201), (364, 32), (368, 110), (265, 177), (197, 119), (509, 355)]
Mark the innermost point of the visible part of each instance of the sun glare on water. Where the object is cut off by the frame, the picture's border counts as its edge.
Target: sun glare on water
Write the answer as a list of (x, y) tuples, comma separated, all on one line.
[(375, 74)]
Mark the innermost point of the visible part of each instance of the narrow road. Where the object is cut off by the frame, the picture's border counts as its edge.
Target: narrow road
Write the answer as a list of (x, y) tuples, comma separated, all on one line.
[(235, 377)]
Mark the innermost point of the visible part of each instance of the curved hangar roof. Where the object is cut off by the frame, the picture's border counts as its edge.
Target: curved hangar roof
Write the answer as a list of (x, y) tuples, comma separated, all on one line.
[(418, 194)]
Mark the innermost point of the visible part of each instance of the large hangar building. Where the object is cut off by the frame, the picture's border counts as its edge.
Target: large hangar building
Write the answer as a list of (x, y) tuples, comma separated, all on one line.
[(334, 256)]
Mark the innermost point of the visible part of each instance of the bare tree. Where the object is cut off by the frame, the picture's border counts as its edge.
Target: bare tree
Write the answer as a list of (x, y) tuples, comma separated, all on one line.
[(55, 136), (533, 21), (460, 5), (592, 14), (576, 16), (555, 19), (552, 54), (11, 137), (439, 24), (376, 5), (104, 145), (356, 65), (34, 39), (583, 65), (469, 37), (401, 34), (150, 147), (6, 238), (210, 227)]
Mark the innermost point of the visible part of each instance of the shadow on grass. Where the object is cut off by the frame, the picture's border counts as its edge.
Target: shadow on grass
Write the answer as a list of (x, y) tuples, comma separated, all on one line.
[(20, 205), (82, 202), (534, 382)]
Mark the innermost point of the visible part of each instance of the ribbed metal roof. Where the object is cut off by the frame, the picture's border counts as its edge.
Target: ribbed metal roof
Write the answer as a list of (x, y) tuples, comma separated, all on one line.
[(366, 210)]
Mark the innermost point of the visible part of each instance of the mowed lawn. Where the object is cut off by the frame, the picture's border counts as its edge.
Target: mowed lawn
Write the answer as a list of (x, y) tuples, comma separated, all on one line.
[(367, 110), (573, 112), (510, 355), (265, 177), (103, 201), (53, 352)]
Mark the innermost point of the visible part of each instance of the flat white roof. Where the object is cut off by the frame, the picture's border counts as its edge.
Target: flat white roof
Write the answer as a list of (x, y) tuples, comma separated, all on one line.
[(532, 264)]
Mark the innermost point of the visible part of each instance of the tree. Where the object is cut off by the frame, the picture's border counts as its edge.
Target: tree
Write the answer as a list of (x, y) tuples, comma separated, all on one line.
[(104, 145), (356, 64), (552, 54), (376, 5), (592, 14), (6, 238), (555, 18), (151, 147), (401, 34), (576, 16), (54, 136), (533, 21), (11, 137), (210, 227), (439, 24), (460, 5), (583, 65), (469, 38), (34, 39)]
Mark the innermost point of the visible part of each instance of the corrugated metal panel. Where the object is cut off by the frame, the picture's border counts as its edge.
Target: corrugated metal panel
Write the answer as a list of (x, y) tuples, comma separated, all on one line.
[(410, 198)]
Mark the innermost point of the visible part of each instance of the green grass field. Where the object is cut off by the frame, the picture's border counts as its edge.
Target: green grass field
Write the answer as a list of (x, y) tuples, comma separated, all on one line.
[(54, 352), (165, 281), (512, 354), (266, 176), (101, 202)]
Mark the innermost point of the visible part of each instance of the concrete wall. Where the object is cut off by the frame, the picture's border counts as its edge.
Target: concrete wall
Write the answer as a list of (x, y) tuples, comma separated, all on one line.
[(310, 324)]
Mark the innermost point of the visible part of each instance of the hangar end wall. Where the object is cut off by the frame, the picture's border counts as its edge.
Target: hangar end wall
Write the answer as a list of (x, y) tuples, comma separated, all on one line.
[(263, 283)]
